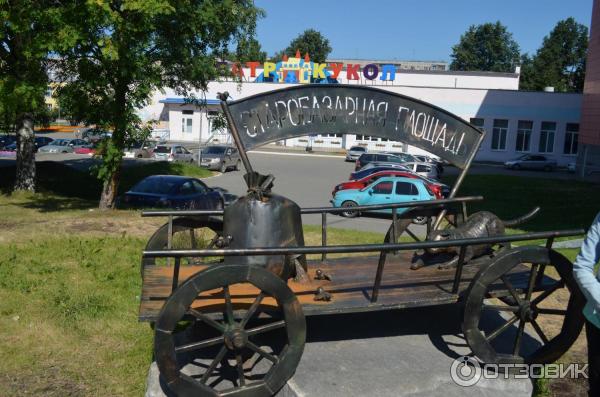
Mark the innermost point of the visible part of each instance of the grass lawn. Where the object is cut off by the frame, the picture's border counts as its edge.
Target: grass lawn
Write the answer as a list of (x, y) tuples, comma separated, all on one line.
[(564, 204), (70, 284)]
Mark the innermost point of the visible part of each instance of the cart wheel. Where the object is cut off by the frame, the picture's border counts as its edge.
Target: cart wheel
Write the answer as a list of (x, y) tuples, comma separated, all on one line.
[(241, 355), (188, 233), (500, 307)]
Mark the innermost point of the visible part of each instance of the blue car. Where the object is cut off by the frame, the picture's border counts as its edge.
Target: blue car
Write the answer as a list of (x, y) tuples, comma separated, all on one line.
[(387, 190), (171, 191)]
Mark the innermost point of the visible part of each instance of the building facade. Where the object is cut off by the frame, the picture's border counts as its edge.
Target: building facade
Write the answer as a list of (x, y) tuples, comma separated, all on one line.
[(588, 161), (516, 122), (403, 65)]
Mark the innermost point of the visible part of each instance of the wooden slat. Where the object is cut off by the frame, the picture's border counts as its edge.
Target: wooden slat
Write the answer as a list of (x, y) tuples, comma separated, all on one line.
[(351, 287)]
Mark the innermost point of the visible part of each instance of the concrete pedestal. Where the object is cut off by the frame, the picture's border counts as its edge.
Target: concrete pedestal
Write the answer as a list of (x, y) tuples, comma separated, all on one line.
[(392, 353)]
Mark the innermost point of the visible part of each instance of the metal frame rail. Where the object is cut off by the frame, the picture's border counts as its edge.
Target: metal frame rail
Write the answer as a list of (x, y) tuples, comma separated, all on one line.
[(382, 248), (324, 211)]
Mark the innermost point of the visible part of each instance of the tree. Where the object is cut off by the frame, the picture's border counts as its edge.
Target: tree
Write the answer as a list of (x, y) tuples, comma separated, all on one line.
[(127, 49), (488, 47), (27, 36), (560, 61), (526, 77), (251, 51), (310, 41)]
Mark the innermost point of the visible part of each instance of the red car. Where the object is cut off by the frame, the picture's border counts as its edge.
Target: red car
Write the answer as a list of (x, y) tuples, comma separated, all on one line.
[(438, 189), (90, 151)]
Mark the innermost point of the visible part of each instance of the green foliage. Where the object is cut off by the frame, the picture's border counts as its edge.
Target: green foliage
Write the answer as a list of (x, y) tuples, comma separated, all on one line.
[(124, 50), (560, 61), (31, 30), (310, 41), (487, 47), (28, 34), (251, 50), (527, 73), (218, 122)]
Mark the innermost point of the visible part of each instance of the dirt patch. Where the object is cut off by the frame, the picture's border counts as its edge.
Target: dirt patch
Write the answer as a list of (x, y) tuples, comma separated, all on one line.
[(49, 382), (569, 387), (90, 224)]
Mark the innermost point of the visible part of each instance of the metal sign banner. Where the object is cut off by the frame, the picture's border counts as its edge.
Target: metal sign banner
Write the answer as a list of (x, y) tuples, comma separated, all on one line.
[(342, 109)]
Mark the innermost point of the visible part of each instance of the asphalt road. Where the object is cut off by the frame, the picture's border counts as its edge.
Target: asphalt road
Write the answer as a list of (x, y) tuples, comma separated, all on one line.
[(306, 180)]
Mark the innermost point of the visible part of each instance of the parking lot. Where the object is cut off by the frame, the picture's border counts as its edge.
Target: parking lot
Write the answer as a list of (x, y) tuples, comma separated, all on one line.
[(308, 179)]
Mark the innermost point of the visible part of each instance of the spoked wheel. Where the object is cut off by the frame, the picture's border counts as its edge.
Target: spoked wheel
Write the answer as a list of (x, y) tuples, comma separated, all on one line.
[(252, 351), (515, 314), (188, 233)]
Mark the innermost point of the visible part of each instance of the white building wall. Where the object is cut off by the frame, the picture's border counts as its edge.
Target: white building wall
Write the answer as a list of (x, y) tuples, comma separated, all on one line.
[(467, 103)]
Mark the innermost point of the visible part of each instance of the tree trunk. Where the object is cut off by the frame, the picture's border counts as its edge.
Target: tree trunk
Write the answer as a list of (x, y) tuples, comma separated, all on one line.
[(109, 191), (25, 179)]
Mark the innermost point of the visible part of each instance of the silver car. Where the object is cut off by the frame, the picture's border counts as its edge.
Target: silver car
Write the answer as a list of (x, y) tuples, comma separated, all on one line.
[(220, 157), (532, 162), (139, 150), (63, 146), (354, 153), (172, 153), (427, 170)]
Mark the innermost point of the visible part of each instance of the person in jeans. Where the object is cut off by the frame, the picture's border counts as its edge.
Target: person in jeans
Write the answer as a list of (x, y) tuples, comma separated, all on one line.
[(588, 278)]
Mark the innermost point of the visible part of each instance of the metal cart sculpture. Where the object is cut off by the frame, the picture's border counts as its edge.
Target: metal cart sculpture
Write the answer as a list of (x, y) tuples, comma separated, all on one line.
[(228, 291)]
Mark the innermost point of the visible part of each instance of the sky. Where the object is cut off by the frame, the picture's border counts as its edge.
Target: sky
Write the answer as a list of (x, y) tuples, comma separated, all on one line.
[(409, 29)]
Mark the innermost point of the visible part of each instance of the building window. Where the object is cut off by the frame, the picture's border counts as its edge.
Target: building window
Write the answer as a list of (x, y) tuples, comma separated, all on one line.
[(571, 138), (547, 137), (499, 134), (478, 123), (524, 136), (365, 138), (186, 124)]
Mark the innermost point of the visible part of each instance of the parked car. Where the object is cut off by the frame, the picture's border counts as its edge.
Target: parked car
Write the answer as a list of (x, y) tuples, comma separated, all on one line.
[(42, 141), (355, 152), (385, 190), (139, 150), (531, 161), (439, 189), (367, 158), (172, 191), (430, 160), (89, 149), (6, 140), (220, 157), (39, 141), (94, 134), (376, 167), (424, 169), (172, 153), (405, 156), (63, 146)]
